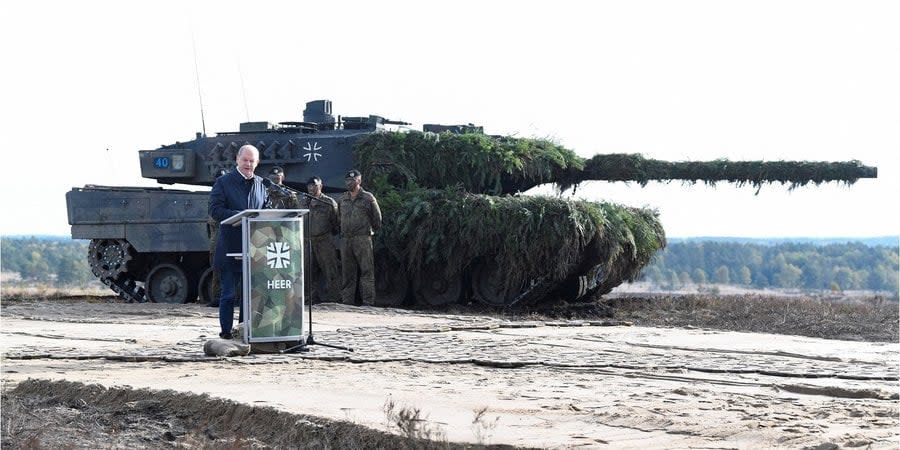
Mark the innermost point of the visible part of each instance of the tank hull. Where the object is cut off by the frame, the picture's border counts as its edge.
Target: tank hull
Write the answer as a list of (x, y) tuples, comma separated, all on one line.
[(146, 243), (150, 244)]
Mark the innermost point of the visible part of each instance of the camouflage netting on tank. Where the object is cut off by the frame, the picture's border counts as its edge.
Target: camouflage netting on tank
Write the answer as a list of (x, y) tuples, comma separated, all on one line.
[(487, 164), (634, 167), (525, 236), (453, 228), (477, 162)]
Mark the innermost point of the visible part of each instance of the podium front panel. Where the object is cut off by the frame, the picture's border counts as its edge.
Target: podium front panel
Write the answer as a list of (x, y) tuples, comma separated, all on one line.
[(273, 283)]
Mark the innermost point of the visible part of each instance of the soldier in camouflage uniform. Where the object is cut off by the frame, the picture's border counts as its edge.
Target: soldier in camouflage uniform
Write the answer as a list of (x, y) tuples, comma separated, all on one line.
[(360, 218), (277, 175), (278, 198), (323, 225)]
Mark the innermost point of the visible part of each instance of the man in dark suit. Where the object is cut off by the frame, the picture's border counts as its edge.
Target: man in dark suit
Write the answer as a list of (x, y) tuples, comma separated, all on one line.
[(234, 192)]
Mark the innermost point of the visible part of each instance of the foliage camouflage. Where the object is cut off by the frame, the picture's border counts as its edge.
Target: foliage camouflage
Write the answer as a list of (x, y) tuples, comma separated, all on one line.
[(478, 163), (520, 234), (494, 165), (633, 167), (432, 189)]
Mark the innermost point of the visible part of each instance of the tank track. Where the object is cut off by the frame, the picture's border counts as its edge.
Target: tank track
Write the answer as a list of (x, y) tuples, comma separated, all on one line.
[(534, 293), (126, 288), (109, 260)]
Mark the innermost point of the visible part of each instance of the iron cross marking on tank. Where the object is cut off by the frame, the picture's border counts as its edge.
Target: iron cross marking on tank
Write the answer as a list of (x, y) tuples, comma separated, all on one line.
[(312, 151)]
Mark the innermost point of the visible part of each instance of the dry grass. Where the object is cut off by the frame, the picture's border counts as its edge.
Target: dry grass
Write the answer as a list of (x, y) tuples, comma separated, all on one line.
[(482, 426), (43, 292), (64, 414), (411, 423)]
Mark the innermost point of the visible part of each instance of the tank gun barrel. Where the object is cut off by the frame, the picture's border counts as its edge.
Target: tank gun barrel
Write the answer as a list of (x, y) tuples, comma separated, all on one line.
[(485, 164), (634, 167)]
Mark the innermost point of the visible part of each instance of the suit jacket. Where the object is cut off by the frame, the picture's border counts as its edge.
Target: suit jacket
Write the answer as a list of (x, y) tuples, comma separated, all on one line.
[(232, 194)]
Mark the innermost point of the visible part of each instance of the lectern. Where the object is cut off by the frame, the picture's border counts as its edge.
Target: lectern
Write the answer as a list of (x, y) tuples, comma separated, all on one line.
[(272, 269)]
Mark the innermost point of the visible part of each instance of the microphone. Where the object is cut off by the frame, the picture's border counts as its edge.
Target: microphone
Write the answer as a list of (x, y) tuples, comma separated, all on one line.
[(282, 189), (287, 192)]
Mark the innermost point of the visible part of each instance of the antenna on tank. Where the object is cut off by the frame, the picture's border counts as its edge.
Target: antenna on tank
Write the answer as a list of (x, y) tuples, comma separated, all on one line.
[(243, 90), (197, 73)]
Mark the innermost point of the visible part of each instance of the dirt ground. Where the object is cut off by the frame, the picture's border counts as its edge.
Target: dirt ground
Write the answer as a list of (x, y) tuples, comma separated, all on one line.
[(76, 373)]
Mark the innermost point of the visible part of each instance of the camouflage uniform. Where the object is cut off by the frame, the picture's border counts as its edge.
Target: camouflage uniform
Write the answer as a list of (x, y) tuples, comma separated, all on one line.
[(360, 218), (322, 225), (277, 200), (213, 232)]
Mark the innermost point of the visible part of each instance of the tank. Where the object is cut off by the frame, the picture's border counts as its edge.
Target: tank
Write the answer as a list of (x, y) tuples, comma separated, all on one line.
[(456, 226)]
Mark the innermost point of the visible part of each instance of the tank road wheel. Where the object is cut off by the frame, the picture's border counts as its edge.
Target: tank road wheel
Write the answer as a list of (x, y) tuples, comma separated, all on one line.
[(391, 283), (167, 283), (109, 258), (206, 287), (490, 287), (433, 288)]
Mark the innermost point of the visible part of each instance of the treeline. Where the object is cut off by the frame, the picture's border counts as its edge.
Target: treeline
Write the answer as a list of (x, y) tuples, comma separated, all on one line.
[(837, 267), (48, 260)]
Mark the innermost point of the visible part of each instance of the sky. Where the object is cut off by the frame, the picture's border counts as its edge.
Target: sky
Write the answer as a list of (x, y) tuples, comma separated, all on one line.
[(85, 85)]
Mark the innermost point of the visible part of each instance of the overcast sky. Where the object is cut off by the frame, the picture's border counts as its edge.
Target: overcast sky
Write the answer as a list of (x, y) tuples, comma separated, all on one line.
[(87, 84)]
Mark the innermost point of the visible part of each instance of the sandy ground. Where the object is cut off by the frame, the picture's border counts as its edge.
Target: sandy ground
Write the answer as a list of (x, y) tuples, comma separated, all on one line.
[(543, 384)]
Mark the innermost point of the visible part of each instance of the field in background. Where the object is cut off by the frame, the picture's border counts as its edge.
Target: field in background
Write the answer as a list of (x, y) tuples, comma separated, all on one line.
[(647, 287)]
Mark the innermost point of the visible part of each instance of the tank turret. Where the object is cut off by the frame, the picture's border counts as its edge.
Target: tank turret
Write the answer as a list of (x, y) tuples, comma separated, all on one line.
[(455, 227)]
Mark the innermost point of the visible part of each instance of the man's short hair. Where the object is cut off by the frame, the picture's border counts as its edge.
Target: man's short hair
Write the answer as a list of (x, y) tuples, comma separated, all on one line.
[(276, 171), (247, 147), (353, 174), (314, 180)]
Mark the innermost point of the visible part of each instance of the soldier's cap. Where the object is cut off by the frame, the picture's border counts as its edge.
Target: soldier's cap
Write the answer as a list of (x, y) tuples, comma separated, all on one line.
[(314, 180), (276, 171), (353, 174)]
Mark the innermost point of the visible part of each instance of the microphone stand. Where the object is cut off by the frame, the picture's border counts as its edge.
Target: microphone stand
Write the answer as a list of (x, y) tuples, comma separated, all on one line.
[(303, 346)]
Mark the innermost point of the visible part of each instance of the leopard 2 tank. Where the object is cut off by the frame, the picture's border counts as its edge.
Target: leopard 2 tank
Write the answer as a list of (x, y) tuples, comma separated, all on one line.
[(457, 226)]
